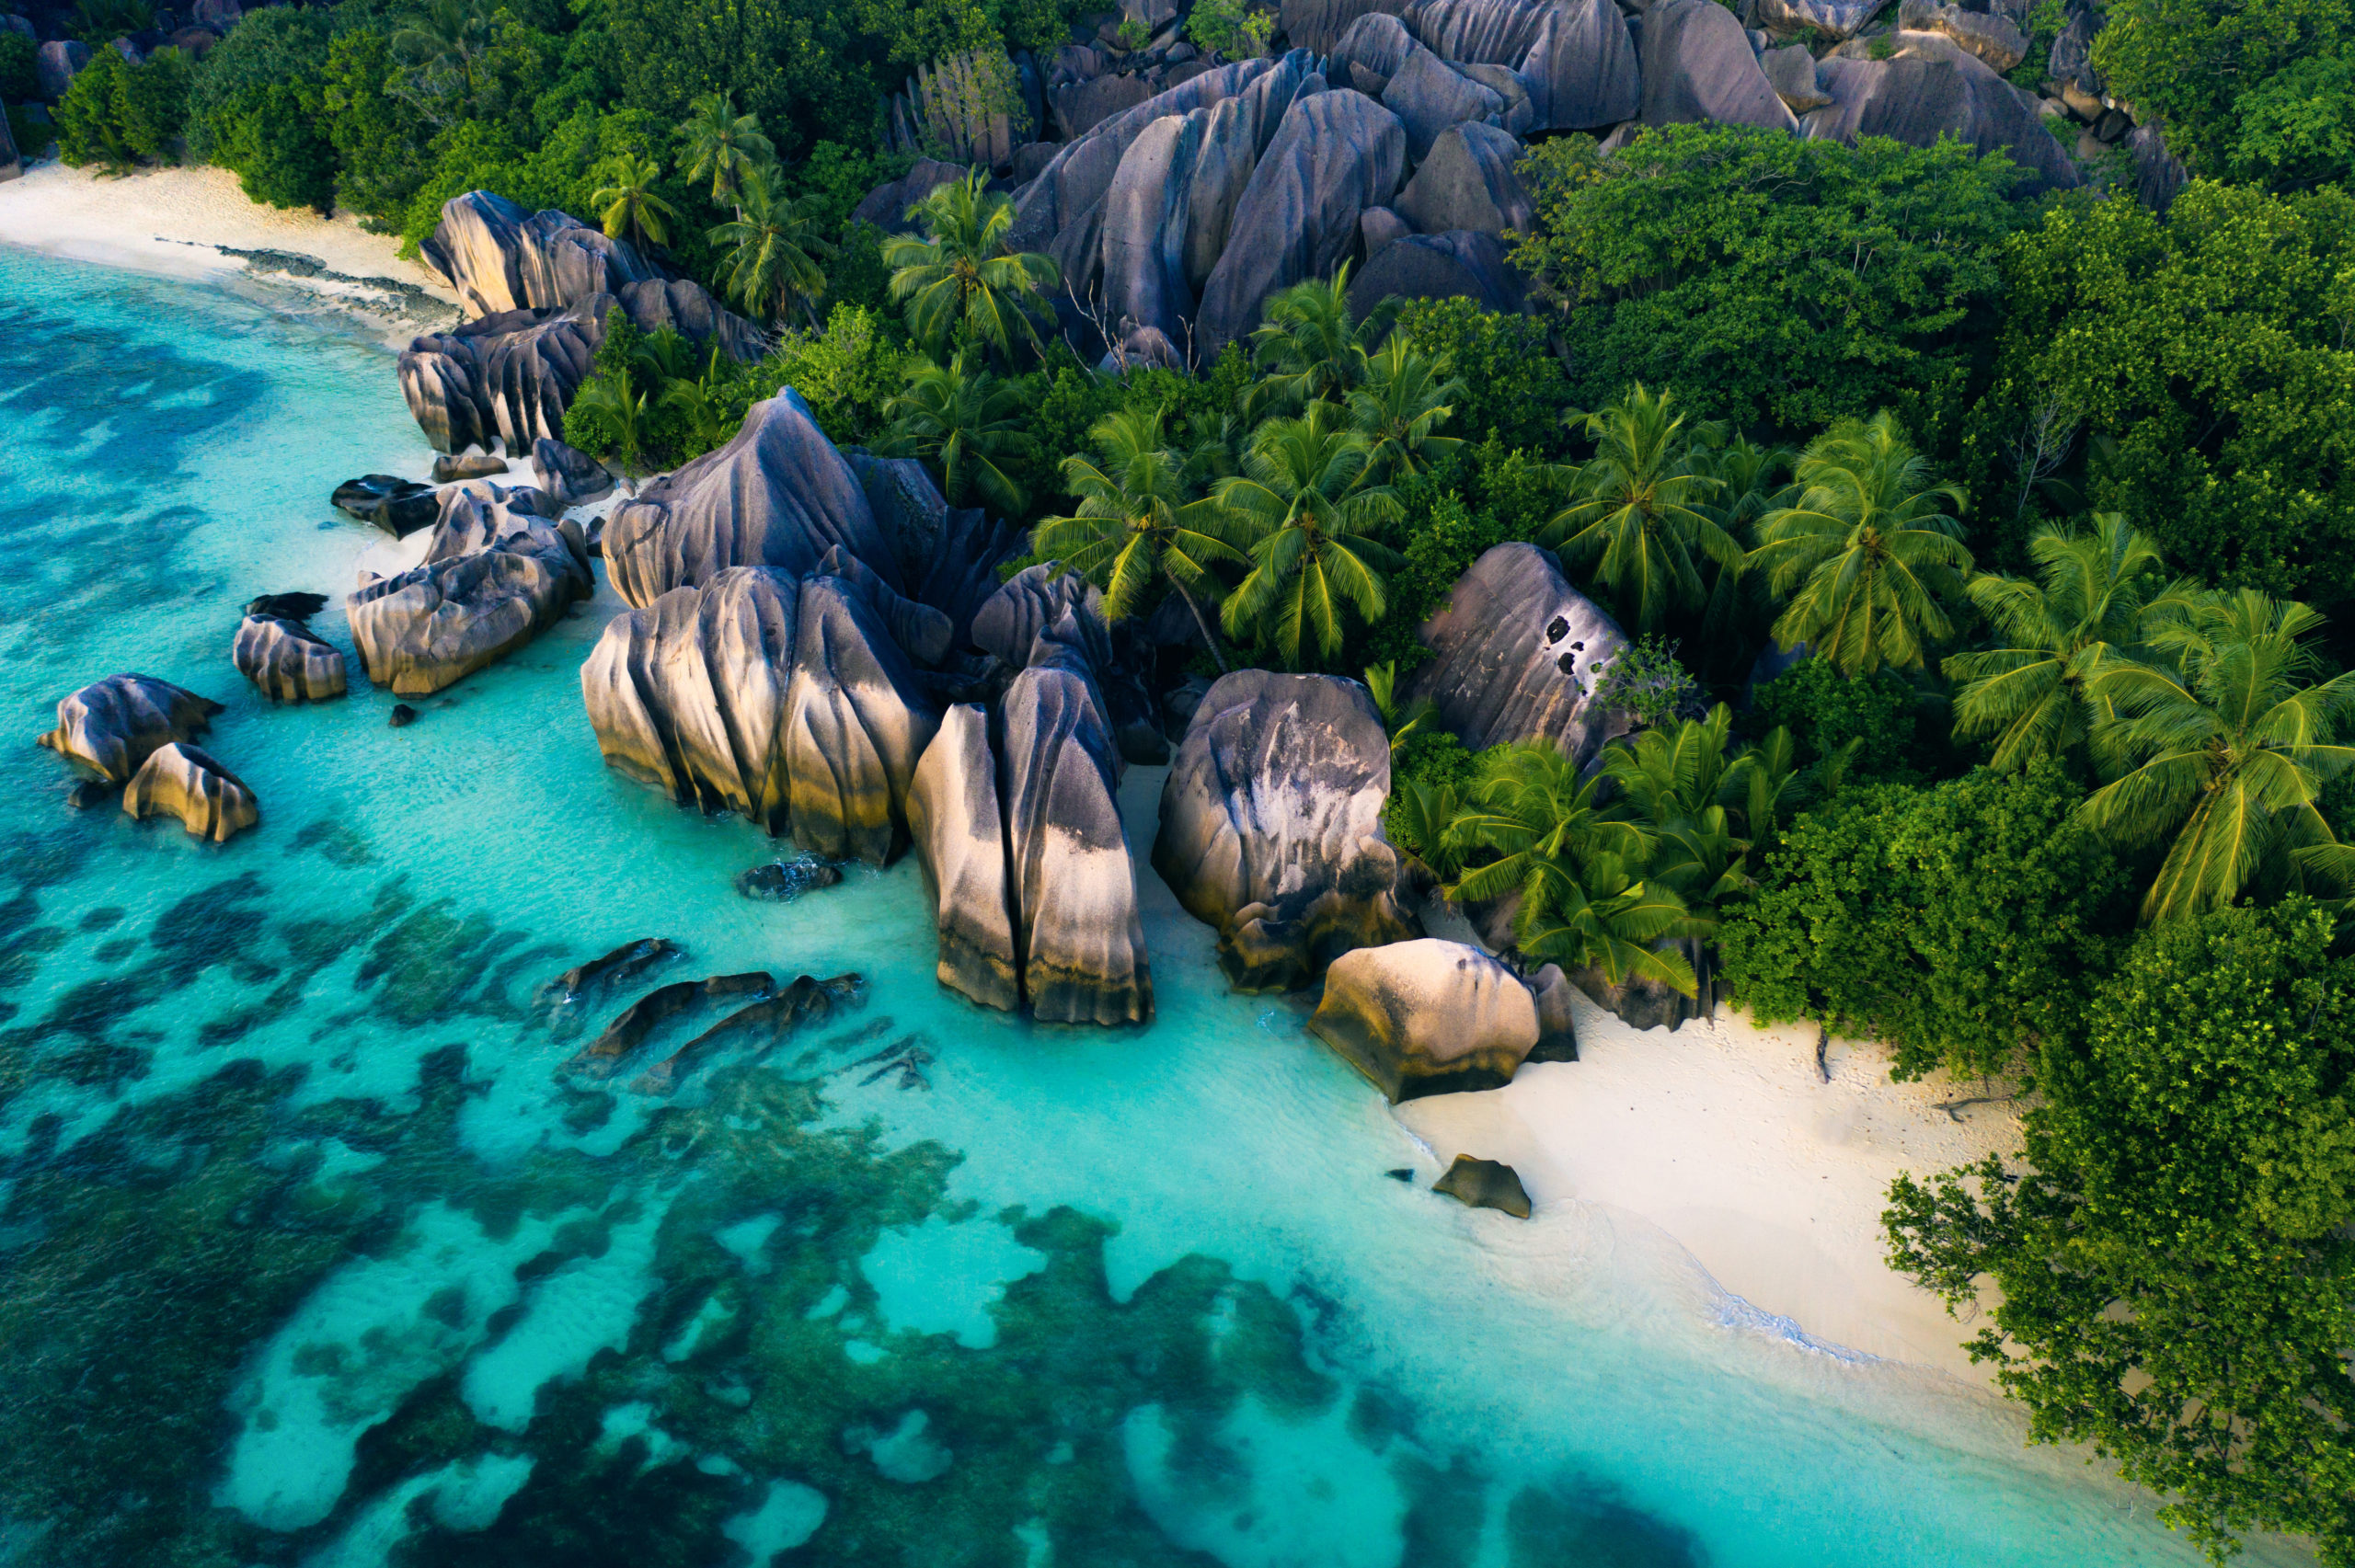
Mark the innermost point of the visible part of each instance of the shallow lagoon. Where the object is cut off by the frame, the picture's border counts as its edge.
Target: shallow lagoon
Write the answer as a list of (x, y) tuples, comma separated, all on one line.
[(312, 1254)]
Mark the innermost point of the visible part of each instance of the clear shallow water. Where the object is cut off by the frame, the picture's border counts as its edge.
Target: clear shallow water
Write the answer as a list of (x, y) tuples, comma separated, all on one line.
[(312, 1254)]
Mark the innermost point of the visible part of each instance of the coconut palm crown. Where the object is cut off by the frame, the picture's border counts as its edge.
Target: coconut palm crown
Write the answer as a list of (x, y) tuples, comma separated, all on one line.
[(959, 280), (1642, 507), (1302, 503)]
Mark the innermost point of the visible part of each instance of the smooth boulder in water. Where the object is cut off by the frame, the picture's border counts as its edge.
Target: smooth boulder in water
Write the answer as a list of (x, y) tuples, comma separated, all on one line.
[(1426, 1017), (399, 507), (112, 727), (1515, 654), (287, 660), (438, 623), (958, 825), (185, 781), (1485, 1184), (1271, 826), (1080, 937), (778, 494), (782, 881)]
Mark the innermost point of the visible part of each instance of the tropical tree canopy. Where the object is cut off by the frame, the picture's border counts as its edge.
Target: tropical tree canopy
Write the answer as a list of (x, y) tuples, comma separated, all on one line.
[(1404, 398), (627, 204), (773, 249), (959, 281), (1305, 507), (2222, 745), (962, 421), (725, 147), (1642, 508), (1868, 555), (1310, 345)]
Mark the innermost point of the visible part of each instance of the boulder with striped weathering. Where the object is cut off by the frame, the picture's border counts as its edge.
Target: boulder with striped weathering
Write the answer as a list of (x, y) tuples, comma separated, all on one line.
[(183, 780), (958, 829), (112, 726)]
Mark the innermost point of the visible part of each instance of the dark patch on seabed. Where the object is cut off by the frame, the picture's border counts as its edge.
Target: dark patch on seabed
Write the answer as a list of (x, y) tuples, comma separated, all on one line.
[(145, 1264)]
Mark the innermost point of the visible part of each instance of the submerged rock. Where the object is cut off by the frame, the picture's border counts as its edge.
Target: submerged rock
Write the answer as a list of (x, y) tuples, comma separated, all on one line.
[(403, 716), (185, 781), (287, 606), (778, 495), (438, 623), (1515, 654), (1485, 1184), (958, 829), (113, 726), (619, 967), (782, 881), (1426, 1017), (806, 1001), (1271, 826), (631, 1026), (399, 507), (287, 660), (1080, 938)]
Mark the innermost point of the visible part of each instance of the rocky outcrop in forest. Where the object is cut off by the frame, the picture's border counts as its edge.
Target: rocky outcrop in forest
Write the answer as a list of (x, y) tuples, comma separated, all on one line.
[(1515, 654)]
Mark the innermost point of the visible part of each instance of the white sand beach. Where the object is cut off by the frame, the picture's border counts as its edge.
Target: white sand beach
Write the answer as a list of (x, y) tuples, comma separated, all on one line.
[(172, 221), (1724, 1135)]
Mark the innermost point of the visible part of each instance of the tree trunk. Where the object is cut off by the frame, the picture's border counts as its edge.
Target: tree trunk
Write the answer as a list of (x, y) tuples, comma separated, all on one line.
[(1209, 635)]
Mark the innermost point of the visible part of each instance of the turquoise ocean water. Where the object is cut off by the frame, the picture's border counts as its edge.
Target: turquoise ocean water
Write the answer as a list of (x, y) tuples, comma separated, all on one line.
[(312, 1254)]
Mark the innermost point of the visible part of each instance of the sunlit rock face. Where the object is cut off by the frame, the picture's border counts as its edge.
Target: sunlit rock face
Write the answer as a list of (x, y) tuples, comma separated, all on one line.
[(286, 660), (441, 620), (113, 726), (1515, 654), (185, 781), (1427, 1018), (1271, 826), (958, 828)]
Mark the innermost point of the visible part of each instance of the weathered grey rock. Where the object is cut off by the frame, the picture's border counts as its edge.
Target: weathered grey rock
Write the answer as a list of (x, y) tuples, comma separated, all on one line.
[(856, 723), (2071, 57), (1144, 225), (183, 780), (1932, 88), (1436, 267), (886, 206), (1049, 614), (508, 377), (947, 555), (1515, 654), (1832, 18), (1377, 227), (1333, 155), (1376, 42), (1791, 73), (1698, 66), (56, 64), (1556, 1033), (688, 694), (477, 514), (1427, 95), (1581, 70), (1649, 1004), (687, 308), (1082, 106), (450, 468), (958, 829), (1319, 25), (497, 258), (287, 660), (112, 726), (1027, 603), (778, 494), (1466, 181), (1519, 114), (2159, 175), (1271, 826), (910, 515), (922, 632), (11, 22), (1991, 37), (570, 474), (399, 507), (1079, 935), (1493, 31), (971, 105), (1426, 1017), (1485, 1184), (438, 623)]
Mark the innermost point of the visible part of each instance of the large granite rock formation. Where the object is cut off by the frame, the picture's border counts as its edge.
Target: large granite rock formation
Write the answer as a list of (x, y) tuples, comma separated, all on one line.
[(958, 828), (1467, 181), (1271, 826), (1426, 1017), (1698, 65), (1428, 96), (947, 556), (440, 622), (1462, 263), (1581, 70), (1049, 614), (1081, 941), (1335, 154), (1515, 653), (184, 781), (570, 475), (112, 727), (400, 507), (1932, 88), (778, 494), (536, 287), (56, 64), (856, 723), (287, 660)]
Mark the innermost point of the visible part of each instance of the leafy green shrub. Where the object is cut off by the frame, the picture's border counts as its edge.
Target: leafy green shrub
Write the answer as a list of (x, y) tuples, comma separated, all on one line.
[(117, 113), (1826, 711), (1514, 387), (2188, 62), (19, 79), (1649, 683), (846, 374), (2295, 130), (33, 137), (1958, 924), (1440, 537)]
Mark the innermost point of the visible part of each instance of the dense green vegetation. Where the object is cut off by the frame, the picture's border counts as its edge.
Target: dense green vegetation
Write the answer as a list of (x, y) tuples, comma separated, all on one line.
[(2043, 510)]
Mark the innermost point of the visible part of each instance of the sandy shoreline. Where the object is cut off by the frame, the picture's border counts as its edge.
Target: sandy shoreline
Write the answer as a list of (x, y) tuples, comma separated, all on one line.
[(175, 221)]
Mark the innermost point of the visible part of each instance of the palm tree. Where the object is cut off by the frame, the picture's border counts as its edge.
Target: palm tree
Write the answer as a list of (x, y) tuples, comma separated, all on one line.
[(1403, 720), (1642, 506), (444, 41), (1765, 783), (630, 209), (2087, 605), (1303, 502), (1418, 818), (1581, 904), (773, 249), (726, 147), (1136, 522), (2228, 753), (709, 404), (961, 281), (1308, 344), (1406, 395), (1675, 780), (1868, 551), (621, 407), (1747, 487), (964, 423)]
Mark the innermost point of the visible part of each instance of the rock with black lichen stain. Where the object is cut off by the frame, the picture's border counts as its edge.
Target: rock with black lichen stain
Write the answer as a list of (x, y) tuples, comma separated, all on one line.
[(185, 782), (112, 727), (1515, 654), (1485, 1184)]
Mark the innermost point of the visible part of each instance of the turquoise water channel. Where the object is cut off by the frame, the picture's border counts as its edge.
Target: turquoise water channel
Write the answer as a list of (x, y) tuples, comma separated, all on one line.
[(311, 1252)]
